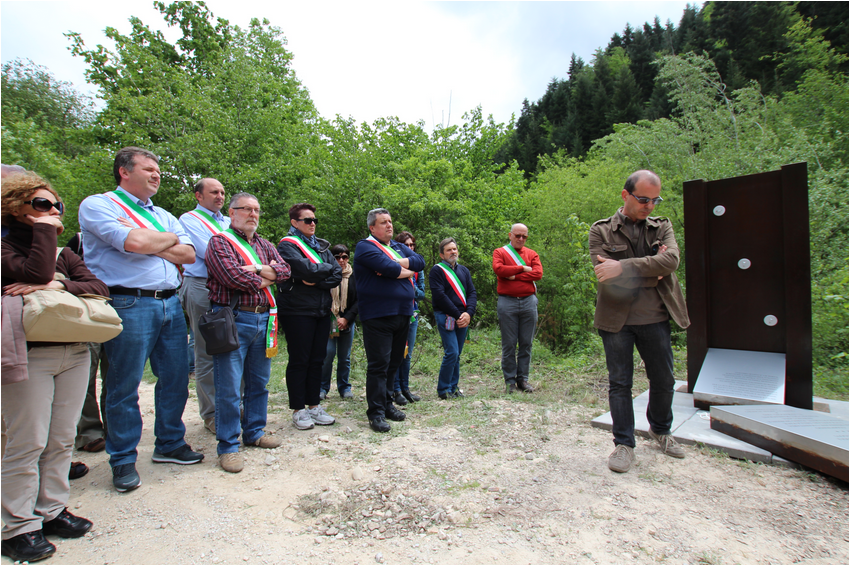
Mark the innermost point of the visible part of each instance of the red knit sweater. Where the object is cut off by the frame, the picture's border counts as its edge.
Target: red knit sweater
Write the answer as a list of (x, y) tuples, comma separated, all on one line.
[(504, 266)]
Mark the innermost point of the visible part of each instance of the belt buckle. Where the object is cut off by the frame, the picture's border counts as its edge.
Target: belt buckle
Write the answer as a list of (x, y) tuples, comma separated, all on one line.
[(157, 296)]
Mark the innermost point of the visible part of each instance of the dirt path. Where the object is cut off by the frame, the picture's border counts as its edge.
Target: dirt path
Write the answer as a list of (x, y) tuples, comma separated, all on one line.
[(516, 483)]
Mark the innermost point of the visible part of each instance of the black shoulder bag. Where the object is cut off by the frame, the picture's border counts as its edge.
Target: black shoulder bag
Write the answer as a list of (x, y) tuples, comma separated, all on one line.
[(219, 329)]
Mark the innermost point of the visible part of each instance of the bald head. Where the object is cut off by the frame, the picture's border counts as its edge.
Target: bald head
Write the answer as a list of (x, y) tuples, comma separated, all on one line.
[(210, 194), (649, 177), (518, 235)]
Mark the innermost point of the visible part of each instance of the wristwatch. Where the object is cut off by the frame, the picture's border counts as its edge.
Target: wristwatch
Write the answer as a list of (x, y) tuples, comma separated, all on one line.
[(258, 269)]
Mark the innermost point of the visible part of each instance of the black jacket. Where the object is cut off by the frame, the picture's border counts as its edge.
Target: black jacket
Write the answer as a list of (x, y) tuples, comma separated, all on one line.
[(294, 298), (444, 298), (350, 313)]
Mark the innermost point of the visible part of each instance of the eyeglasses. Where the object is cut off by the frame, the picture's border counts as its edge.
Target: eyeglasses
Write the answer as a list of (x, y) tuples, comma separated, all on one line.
[(520, 236), (342, 256), (44, 205), (646, 199), (308, 221), (411, 245), (249, 210)]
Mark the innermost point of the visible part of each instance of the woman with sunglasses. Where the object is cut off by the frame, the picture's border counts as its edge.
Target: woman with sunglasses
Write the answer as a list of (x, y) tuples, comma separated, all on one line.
[(40, 412), (344, 311), (402, 394), (304, 304)]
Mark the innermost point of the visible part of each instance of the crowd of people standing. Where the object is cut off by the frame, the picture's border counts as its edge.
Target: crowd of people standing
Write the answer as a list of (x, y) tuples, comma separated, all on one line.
[(160, 272)]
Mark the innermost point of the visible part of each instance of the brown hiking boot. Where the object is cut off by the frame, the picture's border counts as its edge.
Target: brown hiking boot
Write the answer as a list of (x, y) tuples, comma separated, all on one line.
[(524, 386)]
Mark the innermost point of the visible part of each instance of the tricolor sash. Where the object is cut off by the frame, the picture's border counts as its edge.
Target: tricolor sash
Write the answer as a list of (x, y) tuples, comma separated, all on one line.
[(453, 281), (249, 256), (511, 251), (206, 221), (308, 251), (394, 255), (137, 214)]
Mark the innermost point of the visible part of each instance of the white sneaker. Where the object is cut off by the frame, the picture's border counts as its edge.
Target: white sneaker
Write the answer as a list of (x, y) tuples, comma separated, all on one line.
[(320, 417), (302, 420)]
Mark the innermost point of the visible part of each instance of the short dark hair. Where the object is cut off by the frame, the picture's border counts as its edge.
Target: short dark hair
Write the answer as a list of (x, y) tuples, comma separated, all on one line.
[(295, 210), (126, 158), (637, 176), (339, 248), (403, 236), (445, 242)]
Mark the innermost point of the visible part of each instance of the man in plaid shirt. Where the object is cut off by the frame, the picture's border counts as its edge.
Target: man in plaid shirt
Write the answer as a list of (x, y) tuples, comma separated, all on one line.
[(239, 261)]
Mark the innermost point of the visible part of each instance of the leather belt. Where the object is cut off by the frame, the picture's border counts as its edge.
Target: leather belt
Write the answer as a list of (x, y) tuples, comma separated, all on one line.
[(158, 294), (254, 309)]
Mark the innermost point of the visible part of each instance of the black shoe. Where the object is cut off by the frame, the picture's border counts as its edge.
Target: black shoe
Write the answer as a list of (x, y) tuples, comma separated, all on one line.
[(30, 546), (400, 399), (411, 396), (379, 424), (66, 525), (524, 386), (395, 415), (77, 470), (458, 394), (446, 395), (181, 456), (511, 388), (125, 477)]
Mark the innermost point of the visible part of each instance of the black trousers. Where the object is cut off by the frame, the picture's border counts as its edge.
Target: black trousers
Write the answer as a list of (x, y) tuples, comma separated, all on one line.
[(306, 342), (384, 340)]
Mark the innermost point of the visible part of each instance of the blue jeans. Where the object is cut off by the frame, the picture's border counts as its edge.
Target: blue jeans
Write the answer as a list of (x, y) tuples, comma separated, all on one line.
[(452, 343), (250, 364), (654, 345), (340, 348), (517, 318), (156, 330), (402, 379)]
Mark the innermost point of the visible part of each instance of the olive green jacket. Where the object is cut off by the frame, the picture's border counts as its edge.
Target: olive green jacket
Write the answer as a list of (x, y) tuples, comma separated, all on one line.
[(640, 268)]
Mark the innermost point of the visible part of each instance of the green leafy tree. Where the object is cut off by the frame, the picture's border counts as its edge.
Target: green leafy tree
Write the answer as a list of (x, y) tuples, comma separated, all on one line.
[(222, 101)]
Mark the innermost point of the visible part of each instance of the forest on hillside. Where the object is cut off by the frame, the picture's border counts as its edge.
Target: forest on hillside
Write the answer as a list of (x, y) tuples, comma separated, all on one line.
[(734, 88)]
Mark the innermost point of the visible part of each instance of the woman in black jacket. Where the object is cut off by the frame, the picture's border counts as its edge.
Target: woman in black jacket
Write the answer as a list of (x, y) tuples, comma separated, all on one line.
[(344, 311), (303, 303)]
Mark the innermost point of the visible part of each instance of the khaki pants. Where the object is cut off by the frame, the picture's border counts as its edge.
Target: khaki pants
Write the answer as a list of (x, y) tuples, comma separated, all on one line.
[(41, 416)]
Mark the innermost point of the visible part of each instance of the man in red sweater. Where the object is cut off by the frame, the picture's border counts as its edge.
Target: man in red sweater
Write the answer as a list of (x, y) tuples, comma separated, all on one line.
[(517, 268)]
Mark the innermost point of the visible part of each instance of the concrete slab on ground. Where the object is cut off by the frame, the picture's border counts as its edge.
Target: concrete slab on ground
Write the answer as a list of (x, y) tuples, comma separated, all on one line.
[(691, 426)]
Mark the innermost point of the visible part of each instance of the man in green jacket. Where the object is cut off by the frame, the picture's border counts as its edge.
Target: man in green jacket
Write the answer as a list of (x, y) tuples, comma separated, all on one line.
[(635, 256)]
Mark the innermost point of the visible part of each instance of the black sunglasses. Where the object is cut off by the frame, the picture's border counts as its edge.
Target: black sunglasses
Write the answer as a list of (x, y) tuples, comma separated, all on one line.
[(646, 199), (341, 256), (44, 205), (308, 220)]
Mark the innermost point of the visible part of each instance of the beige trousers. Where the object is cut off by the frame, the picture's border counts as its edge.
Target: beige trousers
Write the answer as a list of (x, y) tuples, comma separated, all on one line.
[(41, 416)]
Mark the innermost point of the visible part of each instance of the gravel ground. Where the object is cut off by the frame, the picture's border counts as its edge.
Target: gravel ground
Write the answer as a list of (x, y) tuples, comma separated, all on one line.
[(500, 480)]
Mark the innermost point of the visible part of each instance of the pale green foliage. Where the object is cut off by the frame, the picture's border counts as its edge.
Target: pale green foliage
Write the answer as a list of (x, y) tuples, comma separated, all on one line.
[(716, 135), (434, 186), (223, 102)]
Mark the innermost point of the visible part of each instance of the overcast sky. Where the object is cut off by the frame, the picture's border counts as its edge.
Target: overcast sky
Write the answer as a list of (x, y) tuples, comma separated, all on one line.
[(415, 60)]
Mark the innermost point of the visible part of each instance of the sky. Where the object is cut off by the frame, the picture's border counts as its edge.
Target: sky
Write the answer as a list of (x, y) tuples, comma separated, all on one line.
[(428, 61)]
